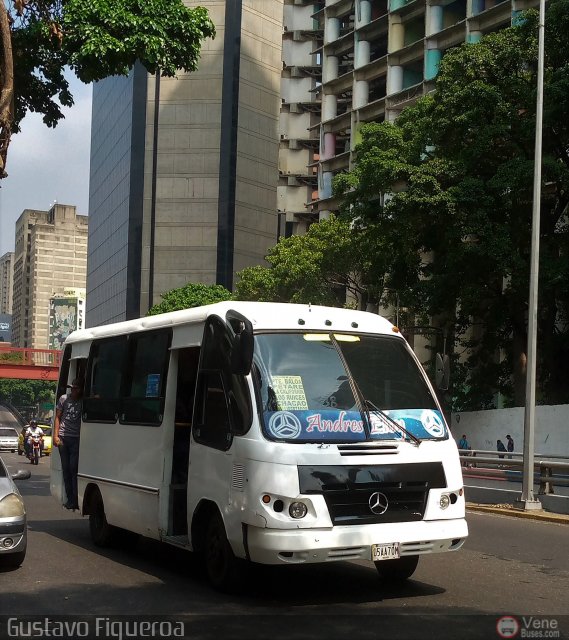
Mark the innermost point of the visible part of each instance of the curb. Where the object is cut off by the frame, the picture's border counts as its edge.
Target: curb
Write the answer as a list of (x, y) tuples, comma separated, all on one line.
[(509, 510)]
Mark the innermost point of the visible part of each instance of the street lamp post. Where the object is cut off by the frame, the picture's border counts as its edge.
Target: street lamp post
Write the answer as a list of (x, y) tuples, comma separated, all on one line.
[(528, 500)]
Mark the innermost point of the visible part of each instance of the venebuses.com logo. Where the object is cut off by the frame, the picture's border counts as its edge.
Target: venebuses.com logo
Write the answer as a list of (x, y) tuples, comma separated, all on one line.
[(527, 627)]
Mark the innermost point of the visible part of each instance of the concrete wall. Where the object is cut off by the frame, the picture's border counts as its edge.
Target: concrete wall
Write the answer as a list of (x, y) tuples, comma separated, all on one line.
[(483, 428)]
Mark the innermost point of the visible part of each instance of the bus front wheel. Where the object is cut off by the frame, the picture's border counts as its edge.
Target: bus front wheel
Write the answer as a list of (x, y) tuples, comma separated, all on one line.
[(397, 570), (221, 564)]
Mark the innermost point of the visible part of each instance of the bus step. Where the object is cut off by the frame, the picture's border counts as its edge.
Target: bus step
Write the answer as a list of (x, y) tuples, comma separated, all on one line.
[(177, 541)]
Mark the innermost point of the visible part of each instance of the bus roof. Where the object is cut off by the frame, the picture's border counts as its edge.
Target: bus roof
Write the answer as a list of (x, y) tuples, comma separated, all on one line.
[(263, 316)]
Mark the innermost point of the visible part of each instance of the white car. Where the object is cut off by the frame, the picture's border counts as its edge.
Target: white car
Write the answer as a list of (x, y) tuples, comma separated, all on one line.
[(8, 439), (13, 526)]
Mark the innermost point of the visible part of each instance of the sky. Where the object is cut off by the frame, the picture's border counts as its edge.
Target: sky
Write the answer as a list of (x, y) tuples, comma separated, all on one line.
[(46, 165)]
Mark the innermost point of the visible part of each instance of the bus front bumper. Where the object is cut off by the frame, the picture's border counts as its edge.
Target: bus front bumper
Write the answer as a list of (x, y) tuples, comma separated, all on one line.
[(285, 546)]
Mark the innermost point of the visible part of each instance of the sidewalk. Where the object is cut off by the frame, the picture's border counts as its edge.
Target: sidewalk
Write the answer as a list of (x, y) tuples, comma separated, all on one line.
[(509, 510)]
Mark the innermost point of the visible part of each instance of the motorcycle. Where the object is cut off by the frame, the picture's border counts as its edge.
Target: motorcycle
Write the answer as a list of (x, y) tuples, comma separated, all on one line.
[(35, 443)]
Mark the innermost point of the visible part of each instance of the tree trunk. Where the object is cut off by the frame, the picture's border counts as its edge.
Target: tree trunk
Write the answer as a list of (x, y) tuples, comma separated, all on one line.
[(6, 87), (519, 360)]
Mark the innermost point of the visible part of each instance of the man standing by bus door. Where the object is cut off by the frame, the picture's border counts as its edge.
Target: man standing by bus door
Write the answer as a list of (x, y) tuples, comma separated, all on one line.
[(67, 428)]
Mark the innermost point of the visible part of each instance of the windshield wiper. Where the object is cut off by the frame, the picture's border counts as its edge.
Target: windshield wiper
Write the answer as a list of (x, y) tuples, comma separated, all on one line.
[(360, 400), (391, 422), (364, 404)]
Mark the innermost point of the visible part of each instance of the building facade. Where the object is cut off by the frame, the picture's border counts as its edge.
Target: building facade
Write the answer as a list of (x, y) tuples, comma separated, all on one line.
[(50, 257), (348, 62), (184, 170), (6, 282)]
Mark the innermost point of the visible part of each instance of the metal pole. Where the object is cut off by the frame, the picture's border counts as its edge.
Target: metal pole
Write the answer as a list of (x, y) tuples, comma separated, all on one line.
[(397, 311), (528, 501)]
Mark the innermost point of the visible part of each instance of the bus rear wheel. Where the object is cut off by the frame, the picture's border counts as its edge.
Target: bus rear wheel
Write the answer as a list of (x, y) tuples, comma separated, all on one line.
[(220, 562), (102, 533), (397, 570)]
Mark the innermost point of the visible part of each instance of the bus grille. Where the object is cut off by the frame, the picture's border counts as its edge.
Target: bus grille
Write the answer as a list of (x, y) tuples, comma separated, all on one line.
[(352, 506), (349, 490)]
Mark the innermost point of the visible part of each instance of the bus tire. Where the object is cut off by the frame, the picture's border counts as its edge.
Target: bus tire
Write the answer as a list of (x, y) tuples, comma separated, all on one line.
[(103, 534), (397, 570), (221, 565)]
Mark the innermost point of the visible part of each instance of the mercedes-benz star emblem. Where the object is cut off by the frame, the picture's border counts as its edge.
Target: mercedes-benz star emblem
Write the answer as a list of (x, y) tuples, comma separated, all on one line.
[(378, 503), (284, 424)]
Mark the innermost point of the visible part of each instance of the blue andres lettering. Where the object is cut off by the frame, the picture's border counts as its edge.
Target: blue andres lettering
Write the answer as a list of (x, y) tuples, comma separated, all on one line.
[(340, 425)]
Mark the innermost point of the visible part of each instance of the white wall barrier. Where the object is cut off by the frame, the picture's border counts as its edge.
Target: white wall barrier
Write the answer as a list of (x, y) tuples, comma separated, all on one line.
[(483, 428)]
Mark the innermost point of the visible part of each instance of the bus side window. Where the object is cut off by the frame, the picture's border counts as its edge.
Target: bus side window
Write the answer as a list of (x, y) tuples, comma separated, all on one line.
[(144, 382), (103, 381)]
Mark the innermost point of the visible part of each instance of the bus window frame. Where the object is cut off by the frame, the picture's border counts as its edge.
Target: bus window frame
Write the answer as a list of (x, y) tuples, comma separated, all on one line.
[(88, 379), (128, 370)]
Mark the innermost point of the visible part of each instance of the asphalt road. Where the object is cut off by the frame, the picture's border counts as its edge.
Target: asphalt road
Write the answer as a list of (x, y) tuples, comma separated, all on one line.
[(507, 567)]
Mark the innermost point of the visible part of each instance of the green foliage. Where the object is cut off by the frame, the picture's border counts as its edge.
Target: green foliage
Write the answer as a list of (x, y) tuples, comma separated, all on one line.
[(9, 356), (457, 170), (97, 39), (189, 296), (332, 259), (106, 37), (26, 393)]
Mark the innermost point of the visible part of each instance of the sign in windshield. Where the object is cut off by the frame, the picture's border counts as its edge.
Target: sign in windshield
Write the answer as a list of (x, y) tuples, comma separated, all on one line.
[(348, 425), (309, 394)]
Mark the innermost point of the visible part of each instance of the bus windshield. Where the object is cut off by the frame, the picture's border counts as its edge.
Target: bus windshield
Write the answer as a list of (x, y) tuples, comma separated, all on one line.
[(307, 396)]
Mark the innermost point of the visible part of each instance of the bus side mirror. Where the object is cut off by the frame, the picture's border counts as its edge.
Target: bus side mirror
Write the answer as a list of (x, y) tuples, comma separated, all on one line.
[(243, 343)]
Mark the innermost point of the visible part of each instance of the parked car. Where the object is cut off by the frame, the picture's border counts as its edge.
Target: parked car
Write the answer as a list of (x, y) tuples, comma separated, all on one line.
[(46, 428), (8, 439), (13, 525)]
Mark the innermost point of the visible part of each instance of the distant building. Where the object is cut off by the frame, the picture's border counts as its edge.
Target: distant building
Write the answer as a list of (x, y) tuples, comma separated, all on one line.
[(50, 257), (348, 62), (6, 282), (66, 314), (183, 183)]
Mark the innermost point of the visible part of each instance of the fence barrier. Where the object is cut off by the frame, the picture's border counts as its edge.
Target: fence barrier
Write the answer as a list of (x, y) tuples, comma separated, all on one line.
[(545, 466)]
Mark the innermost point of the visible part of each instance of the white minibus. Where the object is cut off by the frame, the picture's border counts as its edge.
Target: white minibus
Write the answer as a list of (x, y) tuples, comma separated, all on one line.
[(266, 433)]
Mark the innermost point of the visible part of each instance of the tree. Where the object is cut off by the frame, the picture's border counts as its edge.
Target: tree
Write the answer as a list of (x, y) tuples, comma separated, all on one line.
[(97, 39), (188, 296), (26, 393), (457, 168), (333, 264)]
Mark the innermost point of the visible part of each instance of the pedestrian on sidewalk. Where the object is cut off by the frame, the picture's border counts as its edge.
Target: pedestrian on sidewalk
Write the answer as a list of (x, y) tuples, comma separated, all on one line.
[(464, 448), (510, 445), (500, 448), (463, 443)]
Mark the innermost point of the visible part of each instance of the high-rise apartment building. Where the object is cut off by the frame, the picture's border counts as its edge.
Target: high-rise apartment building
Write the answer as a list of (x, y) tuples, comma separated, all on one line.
[(6, 282), (348, 62), (184, 170), (50, 257)]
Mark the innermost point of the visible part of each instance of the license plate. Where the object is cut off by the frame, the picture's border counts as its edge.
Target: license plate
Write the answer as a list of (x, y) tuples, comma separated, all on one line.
[(384, 551)]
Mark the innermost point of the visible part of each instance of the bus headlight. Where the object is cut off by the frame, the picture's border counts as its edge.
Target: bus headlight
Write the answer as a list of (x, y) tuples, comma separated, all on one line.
[(297, 510), (444, 501)]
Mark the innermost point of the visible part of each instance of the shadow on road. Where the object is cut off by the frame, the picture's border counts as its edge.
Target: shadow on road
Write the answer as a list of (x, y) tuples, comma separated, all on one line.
[(264, 586)]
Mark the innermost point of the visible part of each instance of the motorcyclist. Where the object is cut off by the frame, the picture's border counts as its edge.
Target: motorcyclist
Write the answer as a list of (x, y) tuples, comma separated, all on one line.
[(33, 431)]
